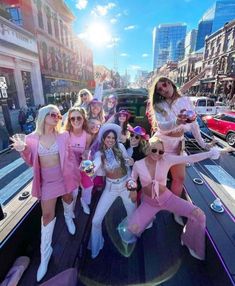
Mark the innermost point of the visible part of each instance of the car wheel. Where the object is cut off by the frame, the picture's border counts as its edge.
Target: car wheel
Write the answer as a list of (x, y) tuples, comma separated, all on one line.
[(230, 138)]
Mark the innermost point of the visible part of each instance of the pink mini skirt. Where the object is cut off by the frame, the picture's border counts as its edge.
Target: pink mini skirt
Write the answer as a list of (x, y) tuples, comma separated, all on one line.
[(52, 183)]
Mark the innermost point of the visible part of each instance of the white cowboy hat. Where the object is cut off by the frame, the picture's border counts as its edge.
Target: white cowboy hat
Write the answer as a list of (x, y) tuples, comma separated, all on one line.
[(109, 126)]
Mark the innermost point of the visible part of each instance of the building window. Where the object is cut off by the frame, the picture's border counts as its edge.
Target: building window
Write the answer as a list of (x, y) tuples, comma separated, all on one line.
[(56, 27), (44, 56), (52, 58), (61, 31), (40, 18), (16, 16), (48, 13)]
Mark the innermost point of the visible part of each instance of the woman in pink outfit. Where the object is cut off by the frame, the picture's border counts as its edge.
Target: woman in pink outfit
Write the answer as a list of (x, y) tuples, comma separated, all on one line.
[(166, 110), (47, 151), (152, 172), (80, 141)]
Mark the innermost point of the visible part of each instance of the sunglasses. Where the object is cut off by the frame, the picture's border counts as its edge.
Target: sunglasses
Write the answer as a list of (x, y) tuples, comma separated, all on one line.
[(78, 118), (156, 151), (136, 136), (83, 94), (55, 115), (164, 84), (95, 125), (112, 101)]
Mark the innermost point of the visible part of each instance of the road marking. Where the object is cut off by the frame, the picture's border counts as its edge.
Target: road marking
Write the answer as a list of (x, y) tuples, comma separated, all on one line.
[(15, 185), (10, 167)]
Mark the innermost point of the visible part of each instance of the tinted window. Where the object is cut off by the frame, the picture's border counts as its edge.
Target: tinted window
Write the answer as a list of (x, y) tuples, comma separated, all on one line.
[(227, 118), (201, 102), (210, 102)]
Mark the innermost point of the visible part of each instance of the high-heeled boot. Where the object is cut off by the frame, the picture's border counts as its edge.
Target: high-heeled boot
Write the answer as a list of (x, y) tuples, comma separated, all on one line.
[(46, 249), (69, 215)]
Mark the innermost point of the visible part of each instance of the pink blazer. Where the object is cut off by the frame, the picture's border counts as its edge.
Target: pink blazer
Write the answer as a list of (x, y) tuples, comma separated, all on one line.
[(67, 161)]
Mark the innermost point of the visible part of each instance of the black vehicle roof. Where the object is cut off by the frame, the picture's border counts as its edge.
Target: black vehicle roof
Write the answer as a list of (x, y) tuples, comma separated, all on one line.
[(125, 92)]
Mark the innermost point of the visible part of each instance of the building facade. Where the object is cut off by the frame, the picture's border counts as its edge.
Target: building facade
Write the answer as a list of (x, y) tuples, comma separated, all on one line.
[(190, 42), (66, 63), (168, 43), (19, 65), (219, 56), (221, 12)]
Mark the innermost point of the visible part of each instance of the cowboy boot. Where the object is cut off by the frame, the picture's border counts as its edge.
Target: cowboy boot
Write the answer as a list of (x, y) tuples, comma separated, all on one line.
[(46, 249), (86, 199), (69, 215)]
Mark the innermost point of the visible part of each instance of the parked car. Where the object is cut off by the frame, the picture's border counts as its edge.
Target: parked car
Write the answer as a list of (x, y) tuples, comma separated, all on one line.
[(205, 131), (221, 107), (223, 124), (203, 105)]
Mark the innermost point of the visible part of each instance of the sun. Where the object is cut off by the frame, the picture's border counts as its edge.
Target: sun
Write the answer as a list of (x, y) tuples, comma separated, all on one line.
[(98, 34)]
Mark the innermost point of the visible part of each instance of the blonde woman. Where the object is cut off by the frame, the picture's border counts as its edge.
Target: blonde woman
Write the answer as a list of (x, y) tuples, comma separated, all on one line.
[(152, 172), (80, 141), (46, 150)]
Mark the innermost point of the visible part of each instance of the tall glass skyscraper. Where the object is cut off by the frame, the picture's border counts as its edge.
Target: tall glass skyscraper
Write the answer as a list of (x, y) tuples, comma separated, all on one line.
[(168, 43), (221, 12)]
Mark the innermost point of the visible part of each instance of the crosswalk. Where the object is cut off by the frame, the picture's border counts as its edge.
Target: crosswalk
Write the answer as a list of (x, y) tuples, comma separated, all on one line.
[(15, 183)]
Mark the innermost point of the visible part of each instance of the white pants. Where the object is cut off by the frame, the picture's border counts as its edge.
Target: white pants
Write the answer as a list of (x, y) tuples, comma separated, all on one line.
[(113, 190)]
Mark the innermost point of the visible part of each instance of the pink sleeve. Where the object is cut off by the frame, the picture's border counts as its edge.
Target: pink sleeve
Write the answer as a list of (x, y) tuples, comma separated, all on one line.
[(27, 153), (134, 173), (174, 159)]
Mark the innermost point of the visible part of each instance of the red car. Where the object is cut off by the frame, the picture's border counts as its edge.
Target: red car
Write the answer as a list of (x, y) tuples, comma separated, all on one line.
[(223, 124)]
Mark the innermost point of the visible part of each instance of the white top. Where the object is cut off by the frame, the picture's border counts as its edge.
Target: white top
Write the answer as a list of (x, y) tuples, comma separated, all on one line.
[(166, 121), (44, 151)]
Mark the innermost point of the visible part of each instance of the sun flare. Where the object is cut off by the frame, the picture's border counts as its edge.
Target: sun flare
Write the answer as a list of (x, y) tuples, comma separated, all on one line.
[(99, 34)]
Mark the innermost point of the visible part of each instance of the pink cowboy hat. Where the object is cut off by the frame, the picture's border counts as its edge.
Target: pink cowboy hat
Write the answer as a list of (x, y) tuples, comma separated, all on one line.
[(139, 131)]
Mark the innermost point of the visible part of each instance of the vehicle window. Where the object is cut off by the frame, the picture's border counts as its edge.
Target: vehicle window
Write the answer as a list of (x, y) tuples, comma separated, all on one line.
[(201, 102), (210, 103), (227, 118)]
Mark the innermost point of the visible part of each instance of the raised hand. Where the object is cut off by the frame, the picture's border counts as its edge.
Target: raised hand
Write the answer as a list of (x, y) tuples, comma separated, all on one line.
[(18, 142)]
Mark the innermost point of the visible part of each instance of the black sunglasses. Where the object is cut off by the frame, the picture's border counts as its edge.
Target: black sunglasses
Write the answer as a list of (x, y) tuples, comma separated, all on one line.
[(136, 136), (155, 150), (83, 94)]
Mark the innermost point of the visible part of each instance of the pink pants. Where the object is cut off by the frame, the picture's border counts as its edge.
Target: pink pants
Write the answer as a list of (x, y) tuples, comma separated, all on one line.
[(193, 235)]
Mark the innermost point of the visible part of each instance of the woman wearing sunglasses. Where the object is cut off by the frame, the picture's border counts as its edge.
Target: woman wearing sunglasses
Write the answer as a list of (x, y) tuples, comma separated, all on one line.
[(167, 109), (111, 158), (46, 149), (80, 141), (83, 99), (152, 172)]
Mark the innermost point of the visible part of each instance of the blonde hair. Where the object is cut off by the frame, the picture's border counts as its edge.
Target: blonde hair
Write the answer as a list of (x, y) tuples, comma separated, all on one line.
[(79, 99), (100, 115), (68, 126), (40, 121), (153, 140)]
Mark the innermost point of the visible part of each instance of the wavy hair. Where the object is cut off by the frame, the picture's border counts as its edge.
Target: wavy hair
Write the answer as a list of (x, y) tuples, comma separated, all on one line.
[(40, 121), (68, 126), (116, 150), (79, 99), (100, 115)]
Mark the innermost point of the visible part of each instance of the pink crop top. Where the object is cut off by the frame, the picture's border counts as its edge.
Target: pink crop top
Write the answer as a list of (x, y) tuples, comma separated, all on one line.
[(44, 151)]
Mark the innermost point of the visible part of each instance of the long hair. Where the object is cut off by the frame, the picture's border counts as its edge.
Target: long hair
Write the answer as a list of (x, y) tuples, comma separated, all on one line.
[(100, 115), (40, 121), (68, 126), (125, 124), (117, 152), (155, 99), (79, 99)]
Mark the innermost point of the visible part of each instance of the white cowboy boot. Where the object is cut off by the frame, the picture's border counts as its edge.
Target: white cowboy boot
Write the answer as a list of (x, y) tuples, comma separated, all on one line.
[(69, 215), (86, 199), (46, 249)]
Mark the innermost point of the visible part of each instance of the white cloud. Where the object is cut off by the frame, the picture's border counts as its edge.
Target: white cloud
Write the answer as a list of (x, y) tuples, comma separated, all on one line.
[(100, 10), (119, 15), (113, 21), (123, 55), (81, 4), (82, 35), (131, 27), (145, 55), (134, 67), (113, 42)]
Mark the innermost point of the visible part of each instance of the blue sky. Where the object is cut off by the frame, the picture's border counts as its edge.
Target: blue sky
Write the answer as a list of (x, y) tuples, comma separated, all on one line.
[(130, 24)]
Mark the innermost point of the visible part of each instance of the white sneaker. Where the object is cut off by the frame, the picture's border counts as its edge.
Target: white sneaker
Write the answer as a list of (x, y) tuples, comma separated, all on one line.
[(178, 219), (85, 207)]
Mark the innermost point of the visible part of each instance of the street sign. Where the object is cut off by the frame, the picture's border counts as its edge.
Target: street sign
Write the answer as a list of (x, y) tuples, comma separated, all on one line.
[(3, 93), (3, 83)]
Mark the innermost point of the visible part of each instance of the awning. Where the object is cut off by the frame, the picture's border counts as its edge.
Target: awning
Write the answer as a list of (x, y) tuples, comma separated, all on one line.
[(208, 80), (227, 79)]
